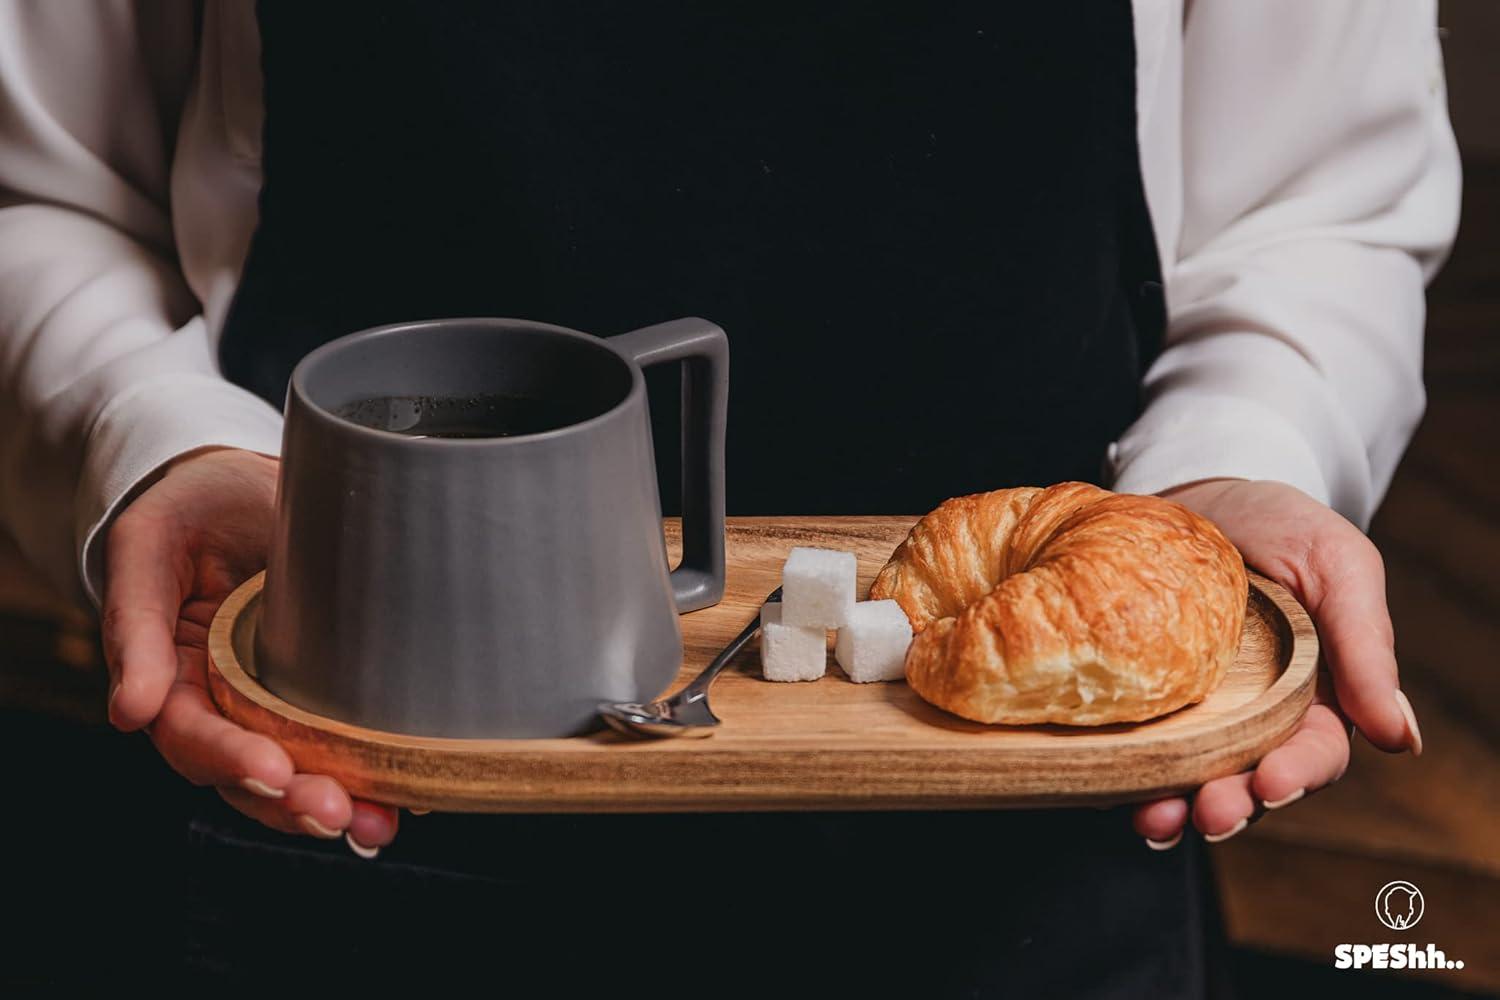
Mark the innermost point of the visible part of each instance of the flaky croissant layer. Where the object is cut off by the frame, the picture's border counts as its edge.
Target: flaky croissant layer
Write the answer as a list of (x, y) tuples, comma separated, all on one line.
[(1066, 604)]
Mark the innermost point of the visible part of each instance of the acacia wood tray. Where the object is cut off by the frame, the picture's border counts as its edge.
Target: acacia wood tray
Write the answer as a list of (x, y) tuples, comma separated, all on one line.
[(828, 744)]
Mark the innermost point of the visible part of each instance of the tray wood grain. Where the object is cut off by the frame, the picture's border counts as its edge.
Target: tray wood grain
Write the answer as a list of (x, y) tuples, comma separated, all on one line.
[(828, 744)]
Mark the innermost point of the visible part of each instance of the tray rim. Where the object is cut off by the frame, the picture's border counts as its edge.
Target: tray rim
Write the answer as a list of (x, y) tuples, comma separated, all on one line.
[(1256, 726)]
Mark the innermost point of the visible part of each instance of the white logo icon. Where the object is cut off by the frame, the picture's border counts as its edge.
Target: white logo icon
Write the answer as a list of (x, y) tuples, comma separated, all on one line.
[(1399, 905)]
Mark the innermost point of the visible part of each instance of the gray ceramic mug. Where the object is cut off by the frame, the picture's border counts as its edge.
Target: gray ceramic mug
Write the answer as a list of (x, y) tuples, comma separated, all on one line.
[(489, 586)]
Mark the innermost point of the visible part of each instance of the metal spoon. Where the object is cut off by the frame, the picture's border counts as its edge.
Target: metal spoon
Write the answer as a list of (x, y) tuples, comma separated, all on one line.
[(686, 713)]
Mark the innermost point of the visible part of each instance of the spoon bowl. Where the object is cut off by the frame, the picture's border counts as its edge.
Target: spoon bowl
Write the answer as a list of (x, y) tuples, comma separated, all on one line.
[(685, 713)]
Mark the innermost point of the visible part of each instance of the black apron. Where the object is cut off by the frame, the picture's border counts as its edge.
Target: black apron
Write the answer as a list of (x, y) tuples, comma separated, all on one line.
[(924, 230)]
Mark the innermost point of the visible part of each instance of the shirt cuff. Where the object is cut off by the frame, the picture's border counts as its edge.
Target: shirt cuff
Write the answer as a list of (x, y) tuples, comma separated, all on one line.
[(143, 429), (1189, 436)]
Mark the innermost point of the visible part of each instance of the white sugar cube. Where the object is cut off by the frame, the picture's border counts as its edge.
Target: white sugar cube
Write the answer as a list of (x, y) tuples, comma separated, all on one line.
[(817, 587), (872, 644), (790, 652)]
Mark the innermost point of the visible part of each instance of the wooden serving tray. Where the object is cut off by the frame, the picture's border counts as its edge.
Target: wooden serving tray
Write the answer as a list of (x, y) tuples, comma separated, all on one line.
[(829, 744)]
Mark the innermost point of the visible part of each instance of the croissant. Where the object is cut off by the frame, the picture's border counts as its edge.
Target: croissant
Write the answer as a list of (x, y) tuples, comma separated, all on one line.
[(1067, 604)]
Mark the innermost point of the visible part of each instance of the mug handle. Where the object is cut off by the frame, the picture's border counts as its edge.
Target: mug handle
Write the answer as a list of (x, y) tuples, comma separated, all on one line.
[(698, 581)]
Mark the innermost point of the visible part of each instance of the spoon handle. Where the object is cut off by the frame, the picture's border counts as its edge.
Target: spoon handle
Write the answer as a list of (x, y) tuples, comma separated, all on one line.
[(701, 683)]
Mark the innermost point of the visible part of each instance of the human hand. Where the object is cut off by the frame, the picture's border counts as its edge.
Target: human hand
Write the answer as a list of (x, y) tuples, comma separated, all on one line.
[(172, 557), (1337, 574)]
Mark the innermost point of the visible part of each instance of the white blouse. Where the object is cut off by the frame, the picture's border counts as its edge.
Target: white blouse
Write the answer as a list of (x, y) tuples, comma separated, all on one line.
[(1299, 166)]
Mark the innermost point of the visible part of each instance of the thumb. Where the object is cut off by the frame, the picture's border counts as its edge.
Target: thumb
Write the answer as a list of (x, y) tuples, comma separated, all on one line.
[(146, 575), (1345, 594)]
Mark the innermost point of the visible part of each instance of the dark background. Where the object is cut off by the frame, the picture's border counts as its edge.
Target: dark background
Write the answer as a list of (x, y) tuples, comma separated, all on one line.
[(93, 821)]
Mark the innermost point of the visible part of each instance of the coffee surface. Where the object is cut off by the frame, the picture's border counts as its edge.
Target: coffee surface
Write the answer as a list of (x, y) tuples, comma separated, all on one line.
[(484, 415)]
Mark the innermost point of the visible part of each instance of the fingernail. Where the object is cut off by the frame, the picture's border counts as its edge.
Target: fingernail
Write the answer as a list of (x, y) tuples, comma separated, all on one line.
[(1286, 801), (109, 706), (262, 789), (1215, 838), (1164, 845), (419, 812), (1413, 731), (368, 853), (312, 826)]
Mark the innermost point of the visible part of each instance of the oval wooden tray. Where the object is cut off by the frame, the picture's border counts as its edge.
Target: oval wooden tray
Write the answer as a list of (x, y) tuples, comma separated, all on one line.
[(830, 744)]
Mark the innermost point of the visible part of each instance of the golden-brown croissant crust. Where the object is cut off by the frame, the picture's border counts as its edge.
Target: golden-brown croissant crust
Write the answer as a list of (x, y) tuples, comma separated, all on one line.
[(1067, 604)]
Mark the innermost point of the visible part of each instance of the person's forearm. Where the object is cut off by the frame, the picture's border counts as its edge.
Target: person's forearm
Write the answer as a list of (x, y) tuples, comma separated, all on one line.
[(103, 385), (105, 371), (1321, 189)]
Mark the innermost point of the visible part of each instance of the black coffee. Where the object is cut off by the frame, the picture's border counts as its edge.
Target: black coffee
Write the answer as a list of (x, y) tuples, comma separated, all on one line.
[(480, 416)]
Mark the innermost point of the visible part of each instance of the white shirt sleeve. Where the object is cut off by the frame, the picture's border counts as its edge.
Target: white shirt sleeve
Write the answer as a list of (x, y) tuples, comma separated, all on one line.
[(106, 367), (1320, 190)]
